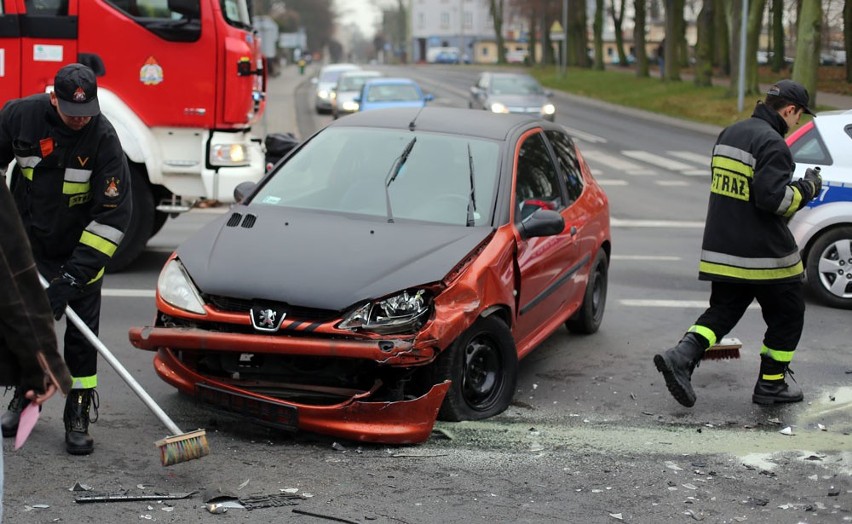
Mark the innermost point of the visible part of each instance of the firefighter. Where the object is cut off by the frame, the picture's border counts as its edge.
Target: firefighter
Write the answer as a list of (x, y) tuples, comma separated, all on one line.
[(71, 184), (748, 252)]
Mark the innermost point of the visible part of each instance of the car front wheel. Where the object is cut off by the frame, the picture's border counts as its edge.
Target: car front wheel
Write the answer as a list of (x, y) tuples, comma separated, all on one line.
[(482, 365), (829, 268)]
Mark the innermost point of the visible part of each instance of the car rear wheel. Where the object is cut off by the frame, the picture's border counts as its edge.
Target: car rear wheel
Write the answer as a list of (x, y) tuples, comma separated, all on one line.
[(588, 318), (829, 268), (483, 366)]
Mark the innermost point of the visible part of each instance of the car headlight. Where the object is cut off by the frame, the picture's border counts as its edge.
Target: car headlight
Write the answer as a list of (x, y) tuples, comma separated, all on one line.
[(548, 109), (176, 288), (323, 93), (401, 313), (350, 105), (497, 107), (229, 155)]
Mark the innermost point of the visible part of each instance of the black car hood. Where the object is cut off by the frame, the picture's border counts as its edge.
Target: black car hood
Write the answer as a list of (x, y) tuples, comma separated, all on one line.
[(320, 260)]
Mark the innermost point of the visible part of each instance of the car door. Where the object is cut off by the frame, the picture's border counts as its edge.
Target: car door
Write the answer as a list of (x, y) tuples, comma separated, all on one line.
[(548, 266)]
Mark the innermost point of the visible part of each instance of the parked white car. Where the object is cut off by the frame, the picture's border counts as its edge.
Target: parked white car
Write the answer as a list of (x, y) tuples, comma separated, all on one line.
[(823, 230)]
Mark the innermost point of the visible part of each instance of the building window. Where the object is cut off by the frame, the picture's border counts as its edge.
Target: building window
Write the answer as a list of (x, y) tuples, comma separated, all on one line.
[(468, 20), (420, 22), (445, 20)]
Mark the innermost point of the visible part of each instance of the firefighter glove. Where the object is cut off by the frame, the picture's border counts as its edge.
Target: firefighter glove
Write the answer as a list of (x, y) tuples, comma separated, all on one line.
[(61, 290), (812, 175)]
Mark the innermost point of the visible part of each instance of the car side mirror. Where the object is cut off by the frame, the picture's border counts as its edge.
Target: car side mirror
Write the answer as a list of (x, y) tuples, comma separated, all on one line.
[(243, 190), (542, 223), (474, 90), (429, 97)]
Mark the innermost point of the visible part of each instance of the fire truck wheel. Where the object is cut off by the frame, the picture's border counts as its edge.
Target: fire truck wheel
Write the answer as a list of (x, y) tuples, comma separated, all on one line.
[(141, 222)]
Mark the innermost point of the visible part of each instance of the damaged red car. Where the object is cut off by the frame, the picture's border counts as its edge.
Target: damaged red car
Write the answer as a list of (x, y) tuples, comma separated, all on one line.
[(393, 269)]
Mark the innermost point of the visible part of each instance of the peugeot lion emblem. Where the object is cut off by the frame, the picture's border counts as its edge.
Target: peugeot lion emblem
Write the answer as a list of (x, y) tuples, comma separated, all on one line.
[(266, 319)]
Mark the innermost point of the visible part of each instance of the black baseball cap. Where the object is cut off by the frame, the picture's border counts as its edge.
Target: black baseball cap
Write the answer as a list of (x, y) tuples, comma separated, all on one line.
[(792, 92), (77, 90)]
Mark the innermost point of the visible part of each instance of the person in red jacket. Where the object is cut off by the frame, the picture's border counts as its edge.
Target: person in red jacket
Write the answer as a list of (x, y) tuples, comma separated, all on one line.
[(748, 252), (71, 185)]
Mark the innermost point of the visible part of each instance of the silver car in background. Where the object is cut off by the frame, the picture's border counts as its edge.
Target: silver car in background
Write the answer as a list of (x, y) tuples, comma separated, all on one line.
[(347, 89), (823, 230), (511, 93), (325, 81)]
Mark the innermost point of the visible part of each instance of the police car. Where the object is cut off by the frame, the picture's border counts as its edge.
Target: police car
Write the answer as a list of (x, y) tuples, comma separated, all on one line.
[(823, 230)]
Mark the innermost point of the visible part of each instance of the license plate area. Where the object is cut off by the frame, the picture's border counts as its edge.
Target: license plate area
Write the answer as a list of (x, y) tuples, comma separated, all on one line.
[(263, 411)]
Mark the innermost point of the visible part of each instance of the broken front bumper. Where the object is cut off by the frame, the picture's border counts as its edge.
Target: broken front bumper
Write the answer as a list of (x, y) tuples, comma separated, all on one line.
[(356, 418)]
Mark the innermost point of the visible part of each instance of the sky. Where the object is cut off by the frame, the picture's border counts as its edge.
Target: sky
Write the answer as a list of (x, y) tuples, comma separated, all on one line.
[(362, 12)]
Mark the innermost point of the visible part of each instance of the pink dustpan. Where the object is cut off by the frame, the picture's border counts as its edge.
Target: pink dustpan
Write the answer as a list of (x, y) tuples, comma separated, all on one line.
[(29, 417)]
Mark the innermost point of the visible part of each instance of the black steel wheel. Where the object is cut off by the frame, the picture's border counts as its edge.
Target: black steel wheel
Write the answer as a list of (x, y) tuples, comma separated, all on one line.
[(588, 318), (483, 366)]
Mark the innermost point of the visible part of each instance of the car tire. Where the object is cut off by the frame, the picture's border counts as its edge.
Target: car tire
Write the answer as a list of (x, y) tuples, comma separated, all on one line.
[(141, 221), (588, 318), (823, 283), (483, 367)]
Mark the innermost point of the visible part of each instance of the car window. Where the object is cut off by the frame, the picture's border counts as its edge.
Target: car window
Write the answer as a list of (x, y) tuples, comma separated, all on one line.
[(569, 166), (537, 180), (515, 85), (810, 149), (345, 170), (352, 83), (392, 93)]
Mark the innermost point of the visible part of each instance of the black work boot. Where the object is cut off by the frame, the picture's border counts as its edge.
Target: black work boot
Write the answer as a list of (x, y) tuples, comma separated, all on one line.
[(77, 438), (9, 420), (771, 388), (677, 365)]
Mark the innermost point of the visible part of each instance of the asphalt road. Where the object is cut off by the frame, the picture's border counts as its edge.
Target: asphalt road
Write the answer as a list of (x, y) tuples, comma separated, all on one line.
[(592, 435)]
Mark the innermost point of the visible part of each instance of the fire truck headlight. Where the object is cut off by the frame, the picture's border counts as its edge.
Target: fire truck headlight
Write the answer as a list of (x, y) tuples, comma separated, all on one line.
[(229, 155)]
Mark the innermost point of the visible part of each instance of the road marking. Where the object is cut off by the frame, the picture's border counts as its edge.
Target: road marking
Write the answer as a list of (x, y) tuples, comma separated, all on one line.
[(672, 183), (692, 304), (605, 182), (661, 258), (619, 222), (587, 137), (616, 163), (695, 172), (689, 156), (657, 160), (129, 293)]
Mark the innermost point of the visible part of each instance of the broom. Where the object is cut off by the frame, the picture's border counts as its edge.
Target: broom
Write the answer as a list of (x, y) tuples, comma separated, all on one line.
[(180, 446), (727, 348)]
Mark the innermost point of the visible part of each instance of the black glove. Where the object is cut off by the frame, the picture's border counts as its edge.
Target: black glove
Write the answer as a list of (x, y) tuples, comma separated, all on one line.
[(813, 176), (60, 291)]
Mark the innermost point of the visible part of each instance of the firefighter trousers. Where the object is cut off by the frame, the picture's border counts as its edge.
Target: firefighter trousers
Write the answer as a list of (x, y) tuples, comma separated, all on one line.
[(782, 306)]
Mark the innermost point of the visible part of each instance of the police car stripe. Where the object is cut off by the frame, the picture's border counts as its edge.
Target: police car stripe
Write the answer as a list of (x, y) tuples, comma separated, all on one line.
[(734, 153), (748, 262), (108, 232)]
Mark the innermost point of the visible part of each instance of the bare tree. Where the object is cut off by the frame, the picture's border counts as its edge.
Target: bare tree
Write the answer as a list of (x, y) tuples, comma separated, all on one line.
[(497, 8), (674, 32), (777, 35), (704, 46), (640, 12), (617, 13), (847, 36), (753, 30), (722, 57), (578, 38), (808, 46), (597, 34)]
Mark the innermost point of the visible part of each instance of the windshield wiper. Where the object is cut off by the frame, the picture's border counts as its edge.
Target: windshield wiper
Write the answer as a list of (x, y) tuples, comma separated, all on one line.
[(394, 171), (471, 205)]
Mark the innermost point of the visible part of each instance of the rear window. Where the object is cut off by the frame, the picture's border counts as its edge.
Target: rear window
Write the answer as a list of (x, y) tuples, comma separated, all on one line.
[(810, 149)]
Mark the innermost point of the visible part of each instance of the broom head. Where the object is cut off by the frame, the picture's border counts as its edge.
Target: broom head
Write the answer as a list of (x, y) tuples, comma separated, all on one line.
[(183, 447), (727, 348)]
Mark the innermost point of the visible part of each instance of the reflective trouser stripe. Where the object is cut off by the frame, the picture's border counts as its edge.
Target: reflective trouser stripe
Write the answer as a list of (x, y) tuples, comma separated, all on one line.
[(85, 382), (99, 243), (778, 355), (779, 376), (751, 274), (704, 332)]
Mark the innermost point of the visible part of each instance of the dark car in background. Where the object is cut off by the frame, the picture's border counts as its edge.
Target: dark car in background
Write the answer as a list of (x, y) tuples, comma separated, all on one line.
[(394, 268), (511, 93)]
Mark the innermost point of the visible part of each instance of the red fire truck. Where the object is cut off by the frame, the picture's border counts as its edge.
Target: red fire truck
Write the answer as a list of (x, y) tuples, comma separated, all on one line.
[(182, 82)]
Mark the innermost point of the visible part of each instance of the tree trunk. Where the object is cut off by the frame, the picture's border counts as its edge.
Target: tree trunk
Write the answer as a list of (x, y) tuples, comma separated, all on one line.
[(531, 40), (639, 9), (674, 30), (617, 19), (734, 9), (777, 36), (847, 37), (497, 17), (704, 46), (578, 39), (721, 58), (753, 29), (807, 47), (597, 27)]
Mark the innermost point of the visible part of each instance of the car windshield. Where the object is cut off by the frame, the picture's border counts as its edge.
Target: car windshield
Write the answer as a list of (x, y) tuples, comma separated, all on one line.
[(392, 93), (352, 83), (331, 76), (515, 85), (345, 170)]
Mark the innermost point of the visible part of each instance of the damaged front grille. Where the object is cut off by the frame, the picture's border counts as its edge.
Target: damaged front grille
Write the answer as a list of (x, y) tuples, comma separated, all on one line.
[(241, 305)]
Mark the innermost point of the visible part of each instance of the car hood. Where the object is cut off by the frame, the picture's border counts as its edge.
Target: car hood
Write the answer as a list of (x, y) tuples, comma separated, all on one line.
[(320, 260), (519, 100)]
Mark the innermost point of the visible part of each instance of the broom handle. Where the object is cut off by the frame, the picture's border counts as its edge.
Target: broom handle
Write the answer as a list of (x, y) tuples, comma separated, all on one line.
[(123, 373)]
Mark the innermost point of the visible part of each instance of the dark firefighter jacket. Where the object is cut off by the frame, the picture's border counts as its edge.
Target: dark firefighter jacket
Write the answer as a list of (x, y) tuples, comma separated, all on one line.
[(72, 188), (28, 349), (746, 238)]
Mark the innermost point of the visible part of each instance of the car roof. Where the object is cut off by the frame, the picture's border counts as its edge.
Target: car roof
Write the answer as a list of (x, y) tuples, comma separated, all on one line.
[(452, 120), (390, 80)]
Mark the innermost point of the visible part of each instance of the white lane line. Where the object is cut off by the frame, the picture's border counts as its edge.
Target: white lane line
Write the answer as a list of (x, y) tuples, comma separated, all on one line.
[(605, 182), (689, 156), (656, 258), (582, 135), (129, 293), (672, 183), (657, 160), (609, 160), (695, 172), (692, 304), (618, 222)]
